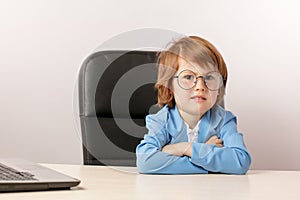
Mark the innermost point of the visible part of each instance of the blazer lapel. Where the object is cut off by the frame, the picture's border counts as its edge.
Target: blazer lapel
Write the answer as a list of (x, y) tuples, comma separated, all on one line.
[(210, 124), (176, 126)]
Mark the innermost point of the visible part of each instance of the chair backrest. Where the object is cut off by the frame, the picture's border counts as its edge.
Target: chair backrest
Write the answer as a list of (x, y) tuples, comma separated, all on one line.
[(115, 94)]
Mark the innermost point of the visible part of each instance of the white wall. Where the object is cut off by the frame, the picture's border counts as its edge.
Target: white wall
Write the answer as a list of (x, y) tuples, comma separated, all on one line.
[(43, 43)]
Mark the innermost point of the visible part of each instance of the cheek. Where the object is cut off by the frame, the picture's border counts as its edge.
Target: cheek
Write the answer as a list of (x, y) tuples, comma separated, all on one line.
[(180, 95), (213, 96)]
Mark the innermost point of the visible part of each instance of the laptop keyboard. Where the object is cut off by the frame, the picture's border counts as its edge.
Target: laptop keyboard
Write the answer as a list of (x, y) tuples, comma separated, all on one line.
[(8, 173)]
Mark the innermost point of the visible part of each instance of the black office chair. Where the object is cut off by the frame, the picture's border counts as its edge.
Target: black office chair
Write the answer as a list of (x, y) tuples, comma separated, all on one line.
[(116, 92)]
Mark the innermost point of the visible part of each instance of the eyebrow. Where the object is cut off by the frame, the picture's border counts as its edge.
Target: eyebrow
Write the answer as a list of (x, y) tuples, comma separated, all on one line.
[(197, 73)]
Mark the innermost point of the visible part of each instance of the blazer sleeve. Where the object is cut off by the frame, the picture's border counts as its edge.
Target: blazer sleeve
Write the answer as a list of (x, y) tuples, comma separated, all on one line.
[(150, 158), (233, 158)]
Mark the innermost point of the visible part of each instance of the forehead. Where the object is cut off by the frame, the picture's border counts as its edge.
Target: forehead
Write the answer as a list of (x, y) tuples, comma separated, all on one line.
[(195, 67)]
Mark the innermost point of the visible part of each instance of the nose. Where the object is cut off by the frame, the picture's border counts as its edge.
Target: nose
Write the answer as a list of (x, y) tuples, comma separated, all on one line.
[(199, 84)]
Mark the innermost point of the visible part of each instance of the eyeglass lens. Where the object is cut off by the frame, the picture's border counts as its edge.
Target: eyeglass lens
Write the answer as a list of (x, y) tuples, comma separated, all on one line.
[(188, 79)]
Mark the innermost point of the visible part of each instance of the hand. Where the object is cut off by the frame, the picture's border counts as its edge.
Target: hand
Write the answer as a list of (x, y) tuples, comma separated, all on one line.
[(177, 149), (215, 141)]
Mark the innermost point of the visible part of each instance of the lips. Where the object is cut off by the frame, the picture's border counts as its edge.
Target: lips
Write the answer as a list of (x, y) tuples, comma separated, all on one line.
[(199, 98)]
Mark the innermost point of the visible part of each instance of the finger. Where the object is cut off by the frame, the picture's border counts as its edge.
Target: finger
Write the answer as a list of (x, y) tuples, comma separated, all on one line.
[(219, 141), (213, 137), (219, 145)]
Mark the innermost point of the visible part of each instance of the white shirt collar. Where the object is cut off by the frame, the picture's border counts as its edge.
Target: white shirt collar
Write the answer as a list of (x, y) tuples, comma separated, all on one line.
[(192, 133)]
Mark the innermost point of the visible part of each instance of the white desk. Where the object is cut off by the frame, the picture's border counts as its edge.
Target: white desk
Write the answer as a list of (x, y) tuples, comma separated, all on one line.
[(99, 182)]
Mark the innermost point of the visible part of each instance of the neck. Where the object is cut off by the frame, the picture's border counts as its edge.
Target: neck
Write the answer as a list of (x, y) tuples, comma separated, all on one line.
[(190, 119)]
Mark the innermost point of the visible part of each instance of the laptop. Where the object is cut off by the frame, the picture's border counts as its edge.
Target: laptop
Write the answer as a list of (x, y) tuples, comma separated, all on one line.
[(23, 175)]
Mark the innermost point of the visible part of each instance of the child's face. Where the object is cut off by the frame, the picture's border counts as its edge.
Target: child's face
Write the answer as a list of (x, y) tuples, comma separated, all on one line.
[(197, 100)]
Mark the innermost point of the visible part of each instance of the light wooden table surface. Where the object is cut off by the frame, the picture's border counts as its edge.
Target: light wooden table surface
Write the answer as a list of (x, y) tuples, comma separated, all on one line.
[(101, 182)]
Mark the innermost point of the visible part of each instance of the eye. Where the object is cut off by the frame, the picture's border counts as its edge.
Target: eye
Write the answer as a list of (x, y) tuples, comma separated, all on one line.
[(188, 77), (209, 77)]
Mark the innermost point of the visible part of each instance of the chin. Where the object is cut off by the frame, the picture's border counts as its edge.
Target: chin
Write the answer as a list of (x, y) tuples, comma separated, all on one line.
[(195, 112)]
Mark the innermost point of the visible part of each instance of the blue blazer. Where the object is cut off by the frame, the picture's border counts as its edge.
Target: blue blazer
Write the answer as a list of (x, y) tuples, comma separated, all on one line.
[(167, 127)]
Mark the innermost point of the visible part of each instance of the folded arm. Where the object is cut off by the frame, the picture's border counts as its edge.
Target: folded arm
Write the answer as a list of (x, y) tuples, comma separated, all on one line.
[(226, 154), (214, 155), (152, 160), (231, 158)]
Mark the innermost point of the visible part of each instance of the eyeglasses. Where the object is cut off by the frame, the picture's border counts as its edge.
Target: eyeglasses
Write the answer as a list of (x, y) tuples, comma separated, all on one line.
[(187, 79)]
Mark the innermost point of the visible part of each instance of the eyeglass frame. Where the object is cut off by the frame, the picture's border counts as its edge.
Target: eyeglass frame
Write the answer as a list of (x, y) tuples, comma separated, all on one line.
[(197, 77)]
